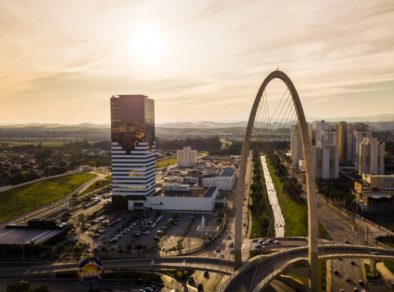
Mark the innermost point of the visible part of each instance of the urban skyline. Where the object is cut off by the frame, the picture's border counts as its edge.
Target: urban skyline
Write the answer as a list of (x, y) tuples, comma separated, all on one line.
[(198, 62)]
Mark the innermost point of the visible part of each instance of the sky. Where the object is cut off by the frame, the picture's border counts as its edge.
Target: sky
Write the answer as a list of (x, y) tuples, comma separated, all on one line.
[(61, 61)]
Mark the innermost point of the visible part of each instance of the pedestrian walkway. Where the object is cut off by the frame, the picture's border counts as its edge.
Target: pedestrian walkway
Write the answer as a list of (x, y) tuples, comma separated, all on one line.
[(279, 220)]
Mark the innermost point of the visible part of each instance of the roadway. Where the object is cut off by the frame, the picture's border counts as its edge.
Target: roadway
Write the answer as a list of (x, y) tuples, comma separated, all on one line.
[(260, 270), (279, 220), (216, 265)]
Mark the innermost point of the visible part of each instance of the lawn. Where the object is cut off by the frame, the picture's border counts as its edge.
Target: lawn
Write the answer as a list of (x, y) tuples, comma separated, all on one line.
[(389, 265), (165, 162), (18, 201)]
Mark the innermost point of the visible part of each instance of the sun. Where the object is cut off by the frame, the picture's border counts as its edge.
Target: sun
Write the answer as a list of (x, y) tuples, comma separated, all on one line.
[(148, 46)]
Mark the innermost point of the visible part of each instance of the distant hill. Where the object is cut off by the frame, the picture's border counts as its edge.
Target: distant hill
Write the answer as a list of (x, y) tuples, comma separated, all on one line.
[(202, 125), (167, 131)]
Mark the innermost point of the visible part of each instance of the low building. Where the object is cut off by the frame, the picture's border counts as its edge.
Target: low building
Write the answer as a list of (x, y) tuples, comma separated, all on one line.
[(224, 181), (195, 200), (34, 237), (375, 193)]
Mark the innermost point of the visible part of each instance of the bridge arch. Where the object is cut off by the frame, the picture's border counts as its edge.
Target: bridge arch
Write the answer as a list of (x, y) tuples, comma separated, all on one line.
[(310, 179)]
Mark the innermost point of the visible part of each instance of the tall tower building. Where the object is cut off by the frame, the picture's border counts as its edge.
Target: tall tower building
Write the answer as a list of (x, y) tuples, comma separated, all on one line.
[(371, 156), (133, 148), (349, 144), (295, 145), (360, 132), (341, 141)]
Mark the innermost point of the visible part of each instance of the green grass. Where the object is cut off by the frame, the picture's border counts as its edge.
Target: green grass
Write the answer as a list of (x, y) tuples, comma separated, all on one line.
[(18, 201), (368, 273), (48, 143), (296, 216), (389, 265), (387, 240), (323, 233), (165, 162)]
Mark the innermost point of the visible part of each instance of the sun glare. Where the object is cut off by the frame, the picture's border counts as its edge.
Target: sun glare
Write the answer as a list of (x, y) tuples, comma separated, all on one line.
[(148, 46)]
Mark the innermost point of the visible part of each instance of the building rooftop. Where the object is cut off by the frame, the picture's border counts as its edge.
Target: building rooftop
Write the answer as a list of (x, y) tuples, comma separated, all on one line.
[(194, 192), (227, 172), (209, 193), (22, 236)]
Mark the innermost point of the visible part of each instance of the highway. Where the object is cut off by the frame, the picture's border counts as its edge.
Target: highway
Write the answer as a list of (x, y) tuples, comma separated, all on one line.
[(279, 220), (135, 264), (260, 270), (257, 272)]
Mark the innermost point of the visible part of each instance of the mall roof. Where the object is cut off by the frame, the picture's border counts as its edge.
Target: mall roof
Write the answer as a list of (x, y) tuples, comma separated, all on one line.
[(228, 172), (22, 236)]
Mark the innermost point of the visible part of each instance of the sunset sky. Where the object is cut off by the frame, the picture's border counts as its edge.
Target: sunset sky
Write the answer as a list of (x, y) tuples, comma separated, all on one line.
[(199, 60)]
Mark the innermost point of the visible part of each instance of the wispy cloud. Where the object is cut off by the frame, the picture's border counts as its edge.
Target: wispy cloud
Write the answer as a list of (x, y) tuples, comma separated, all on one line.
[(61, 60)]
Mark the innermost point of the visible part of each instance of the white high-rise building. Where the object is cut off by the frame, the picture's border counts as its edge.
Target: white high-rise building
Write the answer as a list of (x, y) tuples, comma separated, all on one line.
[(295, 145), (325, 160), (371, 156), (360, 132), (296, 151), (133, 155), (186, 157)]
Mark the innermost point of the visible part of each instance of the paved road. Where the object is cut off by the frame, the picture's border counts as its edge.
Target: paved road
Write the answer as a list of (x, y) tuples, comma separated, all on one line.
[(142, 264), (268, 267), (279, 220)]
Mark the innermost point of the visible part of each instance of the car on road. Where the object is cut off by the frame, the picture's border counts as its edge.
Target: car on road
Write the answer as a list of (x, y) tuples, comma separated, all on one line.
[(257, 246), (336, 272), (347, 278), (374, 252)]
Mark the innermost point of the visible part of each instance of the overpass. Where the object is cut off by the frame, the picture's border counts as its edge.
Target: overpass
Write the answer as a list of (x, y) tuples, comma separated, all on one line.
[(256, 273), (133, 264)]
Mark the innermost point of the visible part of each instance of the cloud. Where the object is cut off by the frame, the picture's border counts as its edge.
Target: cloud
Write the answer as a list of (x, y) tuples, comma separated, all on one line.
[(69, 57)]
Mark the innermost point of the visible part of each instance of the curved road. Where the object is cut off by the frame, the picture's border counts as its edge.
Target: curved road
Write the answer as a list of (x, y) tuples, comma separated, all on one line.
[(256, 273)]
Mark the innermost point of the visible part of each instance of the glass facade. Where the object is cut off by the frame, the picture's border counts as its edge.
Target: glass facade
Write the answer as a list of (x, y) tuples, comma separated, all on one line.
[(132, 121)]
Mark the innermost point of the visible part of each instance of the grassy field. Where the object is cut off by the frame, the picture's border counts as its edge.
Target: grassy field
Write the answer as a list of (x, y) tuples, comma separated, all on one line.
[(296, 216), (166, 162), (389, 265), (49, 143), (16, 202)]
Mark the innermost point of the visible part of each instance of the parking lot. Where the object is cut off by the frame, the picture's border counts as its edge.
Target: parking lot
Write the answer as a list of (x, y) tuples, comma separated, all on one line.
[(165, 233)]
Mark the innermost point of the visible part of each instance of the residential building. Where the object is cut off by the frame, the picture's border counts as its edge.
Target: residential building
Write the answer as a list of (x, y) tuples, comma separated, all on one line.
[(296, 150), (349, 144), (371, 156), (341, 141), (325, 162), (295, 146), (186, 157), (133, 148), (360, 131)]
